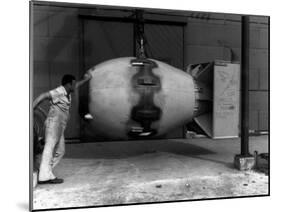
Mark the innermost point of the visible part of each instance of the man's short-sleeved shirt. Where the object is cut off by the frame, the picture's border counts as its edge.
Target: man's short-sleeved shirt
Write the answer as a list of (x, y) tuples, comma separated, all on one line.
[(59, 99)]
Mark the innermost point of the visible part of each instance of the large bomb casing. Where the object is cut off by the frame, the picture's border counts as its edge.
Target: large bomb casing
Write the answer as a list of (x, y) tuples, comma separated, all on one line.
[(131, 98)]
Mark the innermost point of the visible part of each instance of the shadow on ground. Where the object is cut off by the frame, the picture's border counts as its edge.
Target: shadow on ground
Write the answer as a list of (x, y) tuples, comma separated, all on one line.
[(118, 150)]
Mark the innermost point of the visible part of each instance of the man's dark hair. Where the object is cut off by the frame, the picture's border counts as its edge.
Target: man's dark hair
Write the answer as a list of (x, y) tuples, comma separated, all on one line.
[(68, 78)]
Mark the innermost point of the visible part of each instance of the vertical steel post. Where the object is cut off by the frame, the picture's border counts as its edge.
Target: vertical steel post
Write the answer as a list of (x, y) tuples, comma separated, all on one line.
[(245, 85)]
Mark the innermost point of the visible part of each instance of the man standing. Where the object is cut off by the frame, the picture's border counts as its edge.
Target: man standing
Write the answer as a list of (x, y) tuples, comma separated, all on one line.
[(55, 124)]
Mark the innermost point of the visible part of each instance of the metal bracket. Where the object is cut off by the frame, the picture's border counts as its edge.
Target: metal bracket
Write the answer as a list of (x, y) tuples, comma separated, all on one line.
[(146, 84)]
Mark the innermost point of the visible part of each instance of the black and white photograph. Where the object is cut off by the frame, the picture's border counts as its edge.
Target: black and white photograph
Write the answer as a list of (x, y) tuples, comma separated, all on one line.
[(138, 105)]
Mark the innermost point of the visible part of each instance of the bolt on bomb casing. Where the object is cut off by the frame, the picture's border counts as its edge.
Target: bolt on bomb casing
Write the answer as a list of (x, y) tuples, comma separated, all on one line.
[(133, 98)]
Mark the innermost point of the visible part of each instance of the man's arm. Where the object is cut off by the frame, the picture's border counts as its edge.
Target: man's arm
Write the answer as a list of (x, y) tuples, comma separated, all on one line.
[(40, 98), (86, 78)]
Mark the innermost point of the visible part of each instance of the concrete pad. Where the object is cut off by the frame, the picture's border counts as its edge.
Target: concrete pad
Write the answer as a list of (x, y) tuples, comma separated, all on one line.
[(35, 178), (243, 163), (112, 173)]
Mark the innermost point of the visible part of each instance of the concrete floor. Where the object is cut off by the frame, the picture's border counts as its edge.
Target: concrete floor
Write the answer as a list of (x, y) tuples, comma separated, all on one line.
[(151, 171)]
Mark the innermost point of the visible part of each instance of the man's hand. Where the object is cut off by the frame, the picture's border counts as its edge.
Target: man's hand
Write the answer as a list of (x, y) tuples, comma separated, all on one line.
[(88, 74)]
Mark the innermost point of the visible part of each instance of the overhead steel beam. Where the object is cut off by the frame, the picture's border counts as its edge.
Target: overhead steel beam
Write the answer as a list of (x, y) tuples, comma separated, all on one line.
[(132, 20)]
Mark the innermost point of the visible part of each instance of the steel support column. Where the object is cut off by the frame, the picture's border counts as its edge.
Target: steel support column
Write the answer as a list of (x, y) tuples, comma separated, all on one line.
[(245, 161), (245, 85)]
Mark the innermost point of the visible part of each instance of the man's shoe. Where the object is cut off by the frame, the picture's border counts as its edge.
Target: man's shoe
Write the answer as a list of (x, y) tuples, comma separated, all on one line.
[(53, 181)]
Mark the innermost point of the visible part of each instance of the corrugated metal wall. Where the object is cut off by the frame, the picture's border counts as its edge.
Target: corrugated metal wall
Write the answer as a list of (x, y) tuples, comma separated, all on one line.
[(259, 87), (219, 37), (57, 50)]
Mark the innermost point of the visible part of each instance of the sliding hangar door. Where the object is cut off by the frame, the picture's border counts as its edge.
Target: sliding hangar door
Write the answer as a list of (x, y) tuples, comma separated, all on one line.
[(105, 39)]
